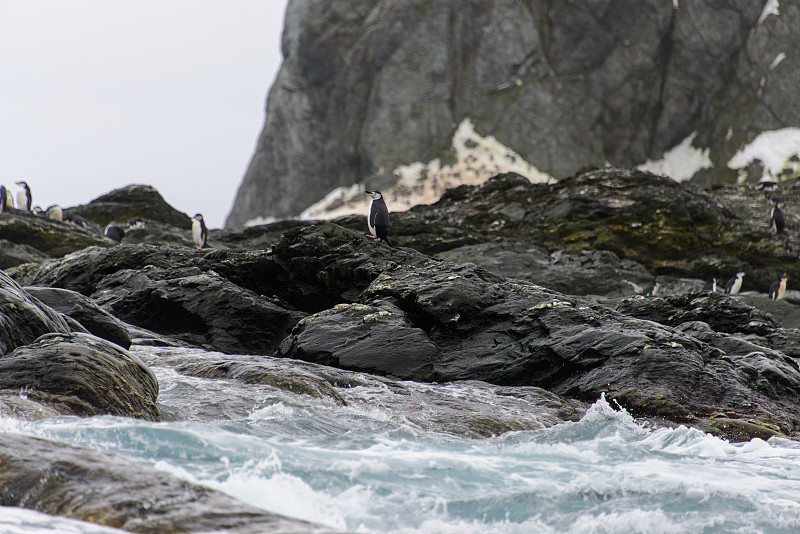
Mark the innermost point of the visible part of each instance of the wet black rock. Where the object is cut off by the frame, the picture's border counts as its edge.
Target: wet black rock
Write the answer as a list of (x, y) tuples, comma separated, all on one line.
[(89, 375), (202, 308), (89, 485), (223, 299), (490, 411), (24, 318), (13, 254), (466, 323), (82, 309), (723, 313)]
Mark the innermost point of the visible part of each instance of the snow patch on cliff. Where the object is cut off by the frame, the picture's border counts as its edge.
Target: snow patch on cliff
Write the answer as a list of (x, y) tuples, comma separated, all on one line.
[(478, 158), (681, 162), (771, 7), (777, 150)]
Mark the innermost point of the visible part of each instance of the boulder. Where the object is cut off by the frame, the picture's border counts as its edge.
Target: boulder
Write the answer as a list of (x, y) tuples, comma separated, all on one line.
[(88, 374), (24, 318), (204, 309), (133, 201), (13, 254), (88, 314), (59, 479)]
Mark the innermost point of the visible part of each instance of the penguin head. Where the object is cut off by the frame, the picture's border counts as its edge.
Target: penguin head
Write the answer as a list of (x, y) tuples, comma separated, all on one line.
[(374, 194), (740, 274), (22, 183), (198, 217)]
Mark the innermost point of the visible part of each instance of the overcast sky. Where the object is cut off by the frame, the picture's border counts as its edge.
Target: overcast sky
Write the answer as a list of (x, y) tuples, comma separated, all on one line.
[(99, 94)]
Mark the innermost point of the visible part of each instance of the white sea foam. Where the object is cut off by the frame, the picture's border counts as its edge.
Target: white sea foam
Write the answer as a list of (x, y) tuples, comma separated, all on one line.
[(23, 521), (606, 473)]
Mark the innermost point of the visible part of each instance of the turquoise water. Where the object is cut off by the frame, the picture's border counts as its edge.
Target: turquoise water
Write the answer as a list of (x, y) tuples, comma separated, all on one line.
[(364, 468)]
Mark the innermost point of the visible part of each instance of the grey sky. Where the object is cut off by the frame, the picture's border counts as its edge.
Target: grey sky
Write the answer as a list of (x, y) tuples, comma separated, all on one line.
[(99, 94)]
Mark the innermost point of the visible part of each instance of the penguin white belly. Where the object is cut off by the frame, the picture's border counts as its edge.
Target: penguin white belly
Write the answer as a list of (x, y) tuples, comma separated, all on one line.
[(22, 200), (371, 220), (197, 232), (737, 285)]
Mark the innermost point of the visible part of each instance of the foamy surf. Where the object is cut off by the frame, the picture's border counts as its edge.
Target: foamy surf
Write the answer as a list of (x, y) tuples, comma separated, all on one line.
[(361, 468)]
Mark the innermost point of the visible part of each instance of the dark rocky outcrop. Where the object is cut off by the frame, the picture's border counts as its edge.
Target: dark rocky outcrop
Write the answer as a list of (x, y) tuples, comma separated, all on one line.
[(328, 294), (87, 374), (130, 202), (603, 230), (34, 237), (222, 299), (367, 86), (84, 484), (82, 309), (465, 323)]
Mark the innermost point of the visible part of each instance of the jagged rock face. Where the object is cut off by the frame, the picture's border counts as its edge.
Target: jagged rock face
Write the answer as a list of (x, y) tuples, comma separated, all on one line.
[(369, 85)]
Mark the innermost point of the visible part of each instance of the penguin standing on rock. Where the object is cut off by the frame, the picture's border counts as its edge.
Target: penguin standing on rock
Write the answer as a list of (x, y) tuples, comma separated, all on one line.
[(711, 285), (199, 231), (54, 212), (734, 285), (3, 197), (77, 220), (777, 220), (9, 202), (652, 289), (114, 232), (778, 288), (24, 197), (378, 218)]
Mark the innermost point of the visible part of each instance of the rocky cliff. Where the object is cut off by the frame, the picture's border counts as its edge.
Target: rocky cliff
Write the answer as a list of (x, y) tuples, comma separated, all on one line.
[(369, 87)]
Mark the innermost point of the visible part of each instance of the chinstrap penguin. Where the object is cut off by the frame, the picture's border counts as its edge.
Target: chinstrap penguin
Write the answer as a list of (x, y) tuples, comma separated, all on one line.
[(778, 288), (777, 220), (199, 231), (54, 212), (711, 285), (137, 223), (776, 200), (114, 232), (734, 285), (378, 218), (652, 289), (9, 202), (77, 220), (24, 197), (3, 197), (767, 183)]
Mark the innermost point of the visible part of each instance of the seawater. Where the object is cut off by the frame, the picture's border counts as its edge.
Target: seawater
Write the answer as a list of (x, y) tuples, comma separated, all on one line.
[(361, 468)]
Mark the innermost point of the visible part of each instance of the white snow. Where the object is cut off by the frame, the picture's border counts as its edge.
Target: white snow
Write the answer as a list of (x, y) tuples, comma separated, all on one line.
[(771, 7), (478, 158), (681, 162), (774, 148)]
